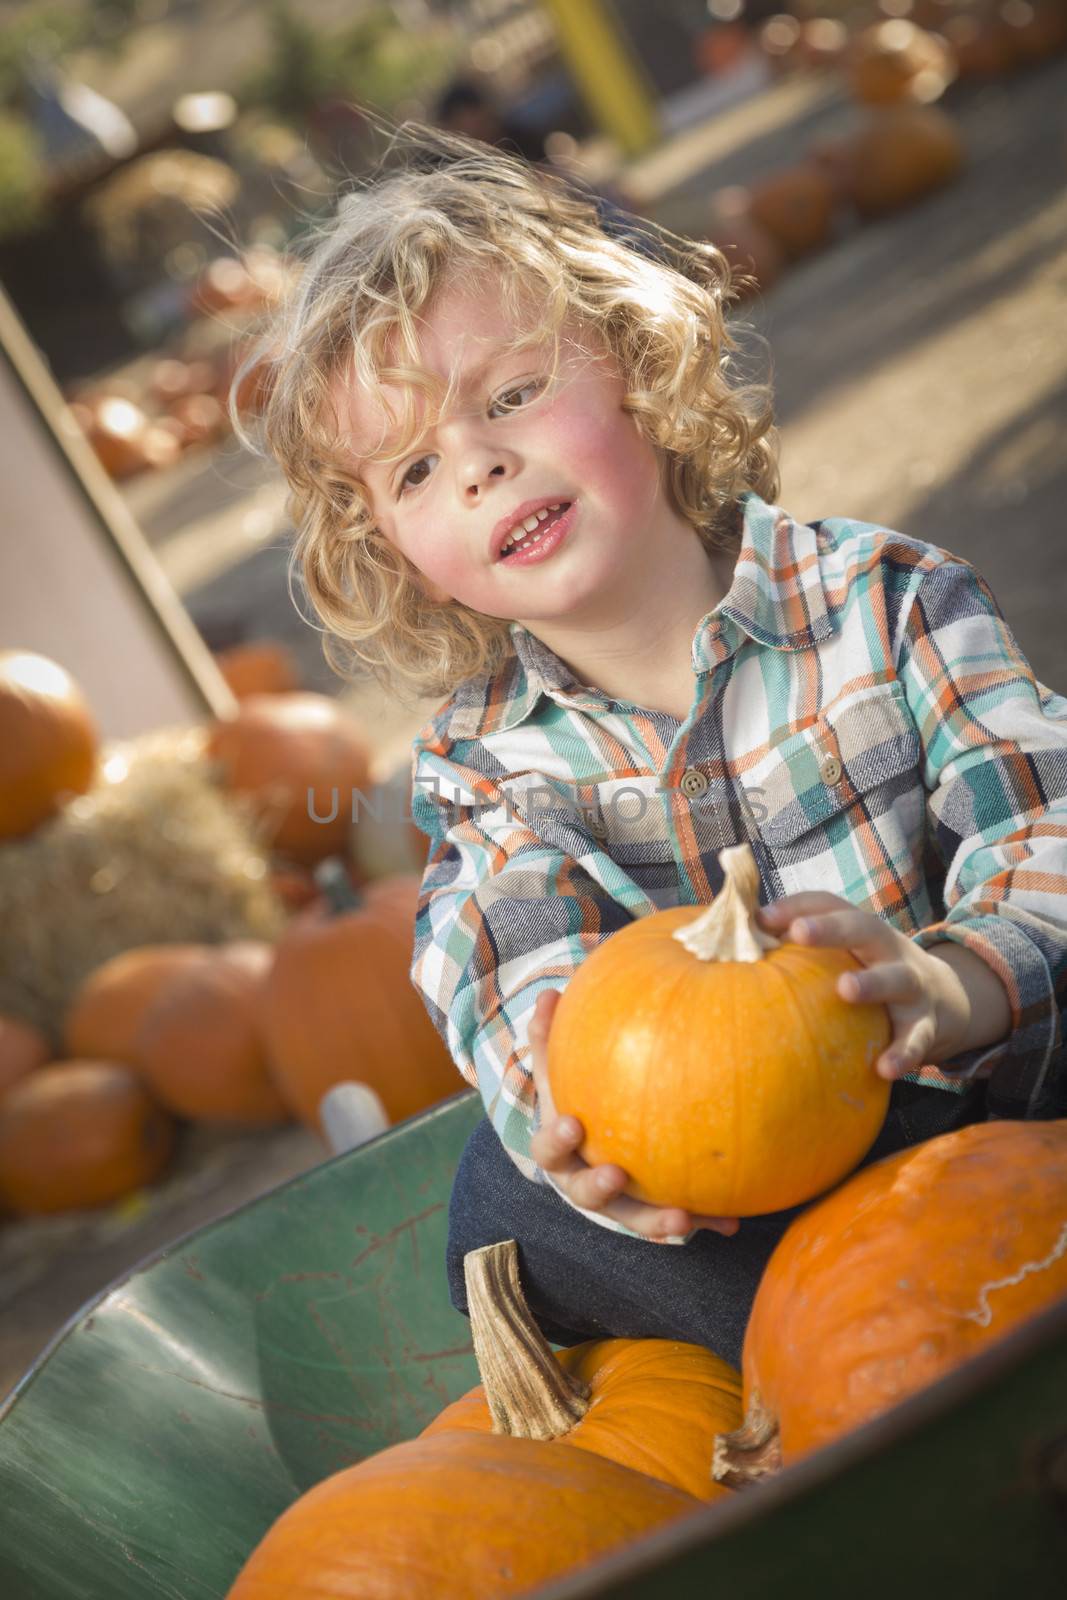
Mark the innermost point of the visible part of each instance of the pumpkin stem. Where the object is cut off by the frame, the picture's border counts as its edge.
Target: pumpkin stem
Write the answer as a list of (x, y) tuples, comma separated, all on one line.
[(751, 1452), (727, 930), (336, 888), (529, 1394)]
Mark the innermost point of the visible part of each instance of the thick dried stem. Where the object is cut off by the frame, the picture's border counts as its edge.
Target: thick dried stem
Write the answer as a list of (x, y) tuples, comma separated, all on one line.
[(727, 930), (529, 1393), (753, 1451)]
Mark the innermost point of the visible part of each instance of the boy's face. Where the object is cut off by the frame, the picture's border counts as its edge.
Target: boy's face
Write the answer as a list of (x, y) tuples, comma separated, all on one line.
[(519, 442)]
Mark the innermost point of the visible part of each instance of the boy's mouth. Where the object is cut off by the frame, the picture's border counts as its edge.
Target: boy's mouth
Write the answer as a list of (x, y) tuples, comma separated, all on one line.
[(528, 531)]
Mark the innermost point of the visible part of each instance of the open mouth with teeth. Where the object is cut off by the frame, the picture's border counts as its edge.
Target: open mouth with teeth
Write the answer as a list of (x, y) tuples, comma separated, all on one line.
[(532, 530)]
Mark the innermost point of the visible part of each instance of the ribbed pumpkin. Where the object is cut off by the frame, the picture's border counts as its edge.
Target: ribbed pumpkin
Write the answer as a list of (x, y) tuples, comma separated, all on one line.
[(22, 1050), (714, 1065), (462, 1512), (903, 154), (901, 1274), (79, 1134), (298, 758), (200, 1045), (796, 206), (340, 1003), (47, 741), (105, 1015)]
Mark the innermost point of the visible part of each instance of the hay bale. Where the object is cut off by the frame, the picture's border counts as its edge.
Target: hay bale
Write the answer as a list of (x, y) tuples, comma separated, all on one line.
[(154, 853)]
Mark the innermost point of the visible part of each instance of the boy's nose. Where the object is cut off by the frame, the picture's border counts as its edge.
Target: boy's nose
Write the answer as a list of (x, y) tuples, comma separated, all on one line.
[(478, 470)]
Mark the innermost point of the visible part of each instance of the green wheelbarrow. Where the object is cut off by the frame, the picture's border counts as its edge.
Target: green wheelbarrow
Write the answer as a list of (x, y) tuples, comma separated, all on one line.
[(161, 1433)]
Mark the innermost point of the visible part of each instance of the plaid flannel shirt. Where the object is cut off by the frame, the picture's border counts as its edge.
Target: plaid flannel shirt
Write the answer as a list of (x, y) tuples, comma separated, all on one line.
[(862, 717)]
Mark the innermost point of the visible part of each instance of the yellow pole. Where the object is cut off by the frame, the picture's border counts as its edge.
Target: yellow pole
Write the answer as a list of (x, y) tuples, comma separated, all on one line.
[(611, 83)]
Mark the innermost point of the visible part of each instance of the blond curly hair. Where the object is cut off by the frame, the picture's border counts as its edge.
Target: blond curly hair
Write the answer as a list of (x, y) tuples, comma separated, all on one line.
[(442, 205)]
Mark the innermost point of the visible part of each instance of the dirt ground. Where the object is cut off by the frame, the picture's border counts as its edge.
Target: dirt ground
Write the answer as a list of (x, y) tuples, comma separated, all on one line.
[(920, 366)]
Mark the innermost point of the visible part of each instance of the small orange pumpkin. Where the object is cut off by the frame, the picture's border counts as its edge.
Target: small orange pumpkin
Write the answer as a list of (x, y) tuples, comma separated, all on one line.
[(260, 666), (588, 1451), (47, 741), (22, 1050), (199, 1045), (298, 758), (106, 1013), (895, 60), (796, 206), (718, 1068), (903, 1272), (340, 1003), (753, 253), (79, 1134)]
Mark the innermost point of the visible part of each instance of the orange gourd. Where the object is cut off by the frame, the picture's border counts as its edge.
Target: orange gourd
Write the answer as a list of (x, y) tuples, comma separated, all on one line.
[(904, 153), (589, 1450), (901, 1274), (723, 1073), (22, 1050), (79, 1134), (47, 741), (106, 1013), (200, 1046), (297, 758), (340, 1003)]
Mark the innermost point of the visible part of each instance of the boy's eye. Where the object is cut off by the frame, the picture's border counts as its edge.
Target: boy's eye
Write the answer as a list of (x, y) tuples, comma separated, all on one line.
[(415, 475), (515, 398)]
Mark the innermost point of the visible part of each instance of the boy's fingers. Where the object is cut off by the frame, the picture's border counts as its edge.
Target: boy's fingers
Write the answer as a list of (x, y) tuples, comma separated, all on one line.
[(848, 930), (890, 980), (811, 902)]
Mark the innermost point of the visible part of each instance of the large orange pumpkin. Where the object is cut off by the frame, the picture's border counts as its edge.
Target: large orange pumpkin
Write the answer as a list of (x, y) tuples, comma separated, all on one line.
[(903, 1272), (22, 1050), (77, 1134), (588, 1451), (200, 1046), (298, 757), (47, 741), (723, 1073), (106, 1013), (340, 1004)]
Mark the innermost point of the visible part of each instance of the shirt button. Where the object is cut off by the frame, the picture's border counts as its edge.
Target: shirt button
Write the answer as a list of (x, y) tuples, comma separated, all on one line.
[(830, 771), (597, 826), (693, 784)]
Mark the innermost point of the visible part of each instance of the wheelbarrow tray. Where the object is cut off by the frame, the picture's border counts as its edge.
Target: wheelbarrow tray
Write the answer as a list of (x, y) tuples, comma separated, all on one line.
[(163, 1431)]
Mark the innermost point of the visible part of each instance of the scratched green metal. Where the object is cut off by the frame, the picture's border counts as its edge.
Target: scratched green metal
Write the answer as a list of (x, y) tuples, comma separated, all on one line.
[(154, 1443), (159, 1437)]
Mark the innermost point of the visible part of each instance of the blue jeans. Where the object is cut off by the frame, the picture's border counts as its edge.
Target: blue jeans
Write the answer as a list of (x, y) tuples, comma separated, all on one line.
[(582, 1281)]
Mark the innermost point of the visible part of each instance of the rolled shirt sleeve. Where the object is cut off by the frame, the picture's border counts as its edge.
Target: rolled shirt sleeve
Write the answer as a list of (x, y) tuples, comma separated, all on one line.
[(995, 753)]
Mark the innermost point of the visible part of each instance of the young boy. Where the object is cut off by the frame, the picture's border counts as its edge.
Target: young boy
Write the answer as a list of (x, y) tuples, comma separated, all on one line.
[(526, 474)]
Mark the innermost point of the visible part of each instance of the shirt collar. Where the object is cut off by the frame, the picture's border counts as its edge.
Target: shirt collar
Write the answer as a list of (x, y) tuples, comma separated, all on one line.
[(776, 598)]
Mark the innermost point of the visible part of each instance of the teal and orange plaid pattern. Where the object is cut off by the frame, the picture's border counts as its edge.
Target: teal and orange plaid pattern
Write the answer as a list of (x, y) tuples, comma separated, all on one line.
[(862, 717)]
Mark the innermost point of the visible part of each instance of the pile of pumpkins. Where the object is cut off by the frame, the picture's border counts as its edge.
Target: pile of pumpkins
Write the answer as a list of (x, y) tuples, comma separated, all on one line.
[(182, 401), (905, 148), (251, 1032)]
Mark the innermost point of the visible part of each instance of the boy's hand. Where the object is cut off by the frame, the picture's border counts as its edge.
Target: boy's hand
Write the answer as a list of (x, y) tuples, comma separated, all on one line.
[(555, 1148), (938, 1003)]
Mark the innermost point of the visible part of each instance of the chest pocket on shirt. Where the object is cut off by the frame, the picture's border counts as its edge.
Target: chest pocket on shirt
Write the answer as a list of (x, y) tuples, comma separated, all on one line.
[(843, 806)]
